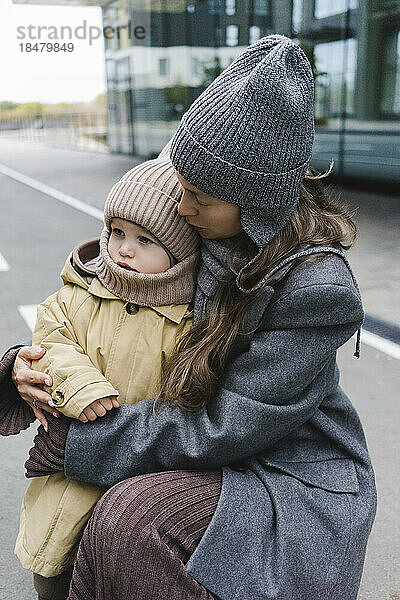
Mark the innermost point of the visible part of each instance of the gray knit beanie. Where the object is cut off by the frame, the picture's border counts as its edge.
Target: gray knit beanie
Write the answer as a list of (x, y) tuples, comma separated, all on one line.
[(247, 139)]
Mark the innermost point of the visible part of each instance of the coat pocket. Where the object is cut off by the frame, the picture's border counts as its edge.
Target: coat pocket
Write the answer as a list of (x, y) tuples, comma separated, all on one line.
[(333, 475)]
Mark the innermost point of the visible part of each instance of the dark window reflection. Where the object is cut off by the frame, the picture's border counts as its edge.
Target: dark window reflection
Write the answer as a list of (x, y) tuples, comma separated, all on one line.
[(354, 49)]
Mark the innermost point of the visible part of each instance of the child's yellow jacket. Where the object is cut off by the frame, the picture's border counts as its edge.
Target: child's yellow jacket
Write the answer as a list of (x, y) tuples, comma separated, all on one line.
[(97, 345)]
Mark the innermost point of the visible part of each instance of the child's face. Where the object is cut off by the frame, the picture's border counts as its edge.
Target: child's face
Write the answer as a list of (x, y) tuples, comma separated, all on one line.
[(132, 248)]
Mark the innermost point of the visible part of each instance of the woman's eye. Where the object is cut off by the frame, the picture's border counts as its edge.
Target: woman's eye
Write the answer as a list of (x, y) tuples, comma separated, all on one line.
[(144, 240), (118, 232)]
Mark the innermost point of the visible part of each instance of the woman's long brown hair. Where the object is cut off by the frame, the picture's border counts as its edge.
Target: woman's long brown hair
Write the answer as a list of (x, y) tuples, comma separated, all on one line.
[(193, 374)]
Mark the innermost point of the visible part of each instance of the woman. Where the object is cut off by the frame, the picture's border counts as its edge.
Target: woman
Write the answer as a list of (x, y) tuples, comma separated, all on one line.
[(250, 477)]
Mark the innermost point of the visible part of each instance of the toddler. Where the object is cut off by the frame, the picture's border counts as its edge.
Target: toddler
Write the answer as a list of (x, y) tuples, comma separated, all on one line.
[(125, 302)]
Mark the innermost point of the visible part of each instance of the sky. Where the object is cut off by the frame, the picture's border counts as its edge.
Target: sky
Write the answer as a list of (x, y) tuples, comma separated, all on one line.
[(50, 77)]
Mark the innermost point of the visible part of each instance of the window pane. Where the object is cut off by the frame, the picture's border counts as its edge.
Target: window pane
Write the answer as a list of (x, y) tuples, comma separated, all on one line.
[(326, 8), (261, 7), (329, 63), (297, 15), (215, 7), (123, 69), (230, 7), (254, 34), (163, 64), (232, 35), (390, 103), (219, 36), (110, 69), (111, 14)]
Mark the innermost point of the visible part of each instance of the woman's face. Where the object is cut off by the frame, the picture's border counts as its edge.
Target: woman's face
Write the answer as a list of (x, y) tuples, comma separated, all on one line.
[(211, 217)]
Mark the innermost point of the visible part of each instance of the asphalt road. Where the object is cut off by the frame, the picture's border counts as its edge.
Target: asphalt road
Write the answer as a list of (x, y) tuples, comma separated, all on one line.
[(36, 234)]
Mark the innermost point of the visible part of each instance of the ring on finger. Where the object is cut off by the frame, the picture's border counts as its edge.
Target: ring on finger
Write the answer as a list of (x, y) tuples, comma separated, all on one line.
[(35, 404)]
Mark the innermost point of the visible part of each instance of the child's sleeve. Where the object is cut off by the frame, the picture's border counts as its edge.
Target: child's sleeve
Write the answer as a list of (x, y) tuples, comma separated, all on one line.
[(76, 381)]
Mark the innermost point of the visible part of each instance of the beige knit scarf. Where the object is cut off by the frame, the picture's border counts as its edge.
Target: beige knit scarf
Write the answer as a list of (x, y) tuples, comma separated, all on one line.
[(174, 286)]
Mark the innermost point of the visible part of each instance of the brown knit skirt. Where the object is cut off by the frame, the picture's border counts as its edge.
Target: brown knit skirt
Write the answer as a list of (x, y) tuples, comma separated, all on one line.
[(140, 536)]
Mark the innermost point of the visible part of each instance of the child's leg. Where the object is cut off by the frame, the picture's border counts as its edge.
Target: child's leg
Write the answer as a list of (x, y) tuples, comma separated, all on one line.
[(52, 588)]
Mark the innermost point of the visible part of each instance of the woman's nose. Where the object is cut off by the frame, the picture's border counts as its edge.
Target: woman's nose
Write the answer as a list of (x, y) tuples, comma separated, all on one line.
[(187, 205)]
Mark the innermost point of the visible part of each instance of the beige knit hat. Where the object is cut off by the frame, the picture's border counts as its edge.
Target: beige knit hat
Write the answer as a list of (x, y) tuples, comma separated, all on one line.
[(149, 195)]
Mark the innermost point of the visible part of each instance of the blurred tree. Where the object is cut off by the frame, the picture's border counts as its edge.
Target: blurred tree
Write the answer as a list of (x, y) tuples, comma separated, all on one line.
[(211, 70), (177, 100), (177, 95), (30, 108), (100, 101), (60, 107), (6, 105)]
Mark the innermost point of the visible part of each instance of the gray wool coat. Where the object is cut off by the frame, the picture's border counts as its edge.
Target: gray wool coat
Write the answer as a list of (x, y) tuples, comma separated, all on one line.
[(298, 491)]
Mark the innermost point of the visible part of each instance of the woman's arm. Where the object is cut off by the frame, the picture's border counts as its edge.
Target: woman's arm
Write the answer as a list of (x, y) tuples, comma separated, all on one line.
[(268, 392), (7, 362), (15, 414)]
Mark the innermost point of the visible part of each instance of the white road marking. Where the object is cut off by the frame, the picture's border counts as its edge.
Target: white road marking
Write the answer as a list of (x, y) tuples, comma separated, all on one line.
[(50, 191), (4, 266), (28, 313), (379, 343)]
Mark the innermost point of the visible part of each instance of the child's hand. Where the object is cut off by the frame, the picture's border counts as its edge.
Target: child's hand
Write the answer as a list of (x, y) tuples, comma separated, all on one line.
[(98, 408)]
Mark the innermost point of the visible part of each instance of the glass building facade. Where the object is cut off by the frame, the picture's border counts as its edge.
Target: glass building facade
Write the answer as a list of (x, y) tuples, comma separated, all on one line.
[(161, 54)]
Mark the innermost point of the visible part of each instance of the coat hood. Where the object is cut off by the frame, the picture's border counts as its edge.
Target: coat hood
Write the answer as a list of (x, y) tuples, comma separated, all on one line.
[(80, 269), (80, 266)]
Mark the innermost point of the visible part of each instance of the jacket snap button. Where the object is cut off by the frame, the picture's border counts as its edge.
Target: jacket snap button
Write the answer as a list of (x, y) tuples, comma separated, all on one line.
[(58, 397), (131, 309)]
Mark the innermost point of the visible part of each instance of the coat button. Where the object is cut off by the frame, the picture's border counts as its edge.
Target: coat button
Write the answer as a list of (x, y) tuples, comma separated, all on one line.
[(58, 397), (131, 309)]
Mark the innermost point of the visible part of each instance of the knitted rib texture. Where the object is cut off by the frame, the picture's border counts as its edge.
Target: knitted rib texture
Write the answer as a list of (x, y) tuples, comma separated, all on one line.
[(247, 139), (174, 286), (47, 455), (141, 535), (15, 414), (149, 195)]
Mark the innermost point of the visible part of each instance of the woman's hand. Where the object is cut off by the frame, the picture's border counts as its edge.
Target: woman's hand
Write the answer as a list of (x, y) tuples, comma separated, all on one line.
[(28, 381)]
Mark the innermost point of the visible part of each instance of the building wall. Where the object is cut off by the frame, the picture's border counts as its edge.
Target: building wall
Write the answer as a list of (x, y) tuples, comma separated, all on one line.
[(354, 49)]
